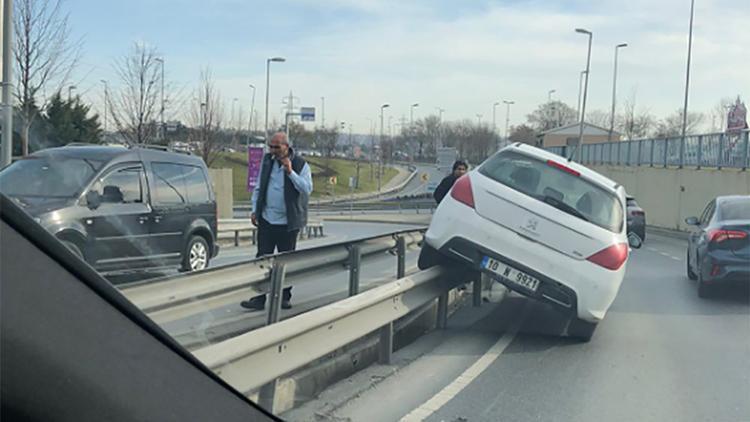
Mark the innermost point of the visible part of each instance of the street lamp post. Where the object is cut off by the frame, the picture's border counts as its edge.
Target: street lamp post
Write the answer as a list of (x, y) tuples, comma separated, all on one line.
[(7, 32), (70, 90), (106, 102), (494, 117), (585, 92), (479, 119), (687, 71), (268, 85), (252, 110), (322, 111), (580, 91), (614, 93), (549, 95), (507, 117), (161, 110), (440, 127), (411, 113), (380, 154)]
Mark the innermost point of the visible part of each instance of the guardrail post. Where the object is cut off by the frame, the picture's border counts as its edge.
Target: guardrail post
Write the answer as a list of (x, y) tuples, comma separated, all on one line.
[(682, 153), (476, 292), (640, 152), (266, 395), (720, 156), (278, 273), (666, 151), (385, 347), (442, 311), (355, 260), (699, 155), (651, 160), (401, 257), (746, 162), (236, 238)]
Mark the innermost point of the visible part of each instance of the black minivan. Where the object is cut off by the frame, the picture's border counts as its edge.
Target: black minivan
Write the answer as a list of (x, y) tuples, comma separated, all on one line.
[(120, 209)]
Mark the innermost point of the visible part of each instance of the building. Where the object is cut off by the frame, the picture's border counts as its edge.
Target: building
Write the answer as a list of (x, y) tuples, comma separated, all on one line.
[(567, 135)]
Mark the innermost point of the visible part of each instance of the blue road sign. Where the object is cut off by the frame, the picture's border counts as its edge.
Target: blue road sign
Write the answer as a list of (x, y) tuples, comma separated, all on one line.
[(307, 114)]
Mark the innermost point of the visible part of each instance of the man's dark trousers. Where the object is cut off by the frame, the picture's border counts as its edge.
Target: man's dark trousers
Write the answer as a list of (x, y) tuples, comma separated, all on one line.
[(275, 237)]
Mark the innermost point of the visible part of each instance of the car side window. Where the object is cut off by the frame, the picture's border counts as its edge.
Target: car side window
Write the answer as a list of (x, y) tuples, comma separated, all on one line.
[(197, 185), (708, 213), (122, 186), (169, 184)]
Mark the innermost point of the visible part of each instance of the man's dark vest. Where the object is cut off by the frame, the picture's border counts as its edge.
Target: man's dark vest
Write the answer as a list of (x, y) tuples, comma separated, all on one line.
[(296, 202)]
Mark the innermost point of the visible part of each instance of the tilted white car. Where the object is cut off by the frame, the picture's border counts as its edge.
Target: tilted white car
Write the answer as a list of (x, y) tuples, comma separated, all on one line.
[(550, 229)]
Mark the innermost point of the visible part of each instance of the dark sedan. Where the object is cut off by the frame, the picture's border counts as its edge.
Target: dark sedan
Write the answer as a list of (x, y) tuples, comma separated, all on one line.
[(719, 246), (636, 218)]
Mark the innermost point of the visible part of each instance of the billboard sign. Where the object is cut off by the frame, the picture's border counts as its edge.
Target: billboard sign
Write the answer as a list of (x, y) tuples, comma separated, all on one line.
[(307, 114), (254, 161)]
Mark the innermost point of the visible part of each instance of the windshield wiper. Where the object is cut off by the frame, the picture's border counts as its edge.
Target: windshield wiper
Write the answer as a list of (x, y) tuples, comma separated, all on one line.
[(562, 206)]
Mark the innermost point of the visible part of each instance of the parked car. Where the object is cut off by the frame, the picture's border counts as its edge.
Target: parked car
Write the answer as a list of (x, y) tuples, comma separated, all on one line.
[(636, 218), (719, 246), (549, 229), (120, 209)]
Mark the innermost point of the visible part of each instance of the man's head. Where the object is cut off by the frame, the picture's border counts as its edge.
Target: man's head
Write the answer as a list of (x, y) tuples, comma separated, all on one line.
[(279, 145), (460, 168)]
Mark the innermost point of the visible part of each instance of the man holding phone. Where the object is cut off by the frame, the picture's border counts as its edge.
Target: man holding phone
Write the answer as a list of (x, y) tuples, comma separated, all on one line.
[(279, 206)]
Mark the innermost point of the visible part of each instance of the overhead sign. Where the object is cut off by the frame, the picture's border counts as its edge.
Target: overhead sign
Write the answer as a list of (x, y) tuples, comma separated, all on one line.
[(254, 161), (307, 114), (737, 117)]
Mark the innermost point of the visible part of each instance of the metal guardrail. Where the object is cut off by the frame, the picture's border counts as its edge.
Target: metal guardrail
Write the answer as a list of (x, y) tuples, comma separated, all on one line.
[(238, 228), (713, 150)]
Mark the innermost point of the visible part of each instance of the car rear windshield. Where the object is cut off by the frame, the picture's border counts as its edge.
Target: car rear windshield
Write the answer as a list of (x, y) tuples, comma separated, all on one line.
[(48, 177), (555, 187), (735, 209), (631, 202)]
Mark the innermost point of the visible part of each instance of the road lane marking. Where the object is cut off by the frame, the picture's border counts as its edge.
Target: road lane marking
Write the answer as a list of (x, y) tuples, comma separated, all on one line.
[(470, 374)]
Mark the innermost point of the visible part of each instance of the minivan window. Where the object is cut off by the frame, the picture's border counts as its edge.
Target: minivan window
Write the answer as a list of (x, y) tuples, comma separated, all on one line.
[(122, 186), (58, 177), (169, 184), (197, 185), (567, 192)]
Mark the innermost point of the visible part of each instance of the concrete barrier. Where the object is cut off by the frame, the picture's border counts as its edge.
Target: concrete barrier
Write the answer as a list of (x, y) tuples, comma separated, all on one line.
[(221, 180), (669, 195)]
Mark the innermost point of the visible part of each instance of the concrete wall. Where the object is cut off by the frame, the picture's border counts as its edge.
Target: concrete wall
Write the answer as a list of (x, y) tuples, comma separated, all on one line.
[(670, 195), (221, 180)]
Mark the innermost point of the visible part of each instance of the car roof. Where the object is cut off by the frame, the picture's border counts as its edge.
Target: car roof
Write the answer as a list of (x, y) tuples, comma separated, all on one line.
[(584, 171), (117, 153), (732, 198)]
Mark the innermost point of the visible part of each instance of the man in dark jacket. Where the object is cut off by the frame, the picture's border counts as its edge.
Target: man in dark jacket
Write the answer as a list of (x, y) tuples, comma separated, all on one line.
[(279, 206), (459, 169)]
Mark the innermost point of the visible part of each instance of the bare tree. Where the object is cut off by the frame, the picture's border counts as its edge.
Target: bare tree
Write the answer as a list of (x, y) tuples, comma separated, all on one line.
[(718, 114), (598, 117), (524, 134), (634, 124), (551, 115), (672, 124), (45, 55), (135, 108), (206, 116)]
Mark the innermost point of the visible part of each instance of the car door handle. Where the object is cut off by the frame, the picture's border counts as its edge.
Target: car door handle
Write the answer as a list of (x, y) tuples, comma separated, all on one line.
[(142, 219)]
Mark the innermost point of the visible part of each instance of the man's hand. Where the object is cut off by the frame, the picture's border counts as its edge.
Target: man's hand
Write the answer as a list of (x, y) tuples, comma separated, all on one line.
[(287, 164), (254, 219)]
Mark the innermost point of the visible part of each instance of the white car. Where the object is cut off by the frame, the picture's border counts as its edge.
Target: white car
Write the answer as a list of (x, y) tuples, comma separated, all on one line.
[(547, 228)]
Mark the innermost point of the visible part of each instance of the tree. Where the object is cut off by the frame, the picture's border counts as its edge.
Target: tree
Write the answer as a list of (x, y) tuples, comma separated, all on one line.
[(425, 133), (300, 137), (136, 107), (672, 124), (206, 115), (632, 124), (551, 115), (598, 118), (524, 134), (718, 114), (44, 57), (69, 121), (326, 138)]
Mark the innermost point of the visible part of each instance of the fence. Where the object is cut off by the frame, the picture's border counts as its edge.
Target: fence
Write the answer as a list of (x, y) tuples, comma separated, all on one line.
[(714, 150)]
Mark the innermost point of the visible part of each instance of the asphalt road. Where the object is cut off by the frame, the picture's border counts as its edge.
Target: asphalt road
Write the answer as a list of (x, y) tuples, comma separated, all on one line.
[(416, 186), (661, 354)]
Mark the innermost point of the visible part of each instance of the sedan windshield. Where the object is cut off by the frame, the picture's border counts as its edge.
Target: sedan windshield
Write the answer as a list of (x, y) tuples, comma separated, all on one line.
[(62, 177)]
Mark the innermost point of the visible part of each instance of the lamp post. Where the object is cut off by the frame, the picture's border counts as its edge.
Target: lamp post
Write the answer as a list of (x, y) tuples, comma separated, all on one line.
[(161, 110), (494, 117), (479, 119), (268, 85), (322, 111), (106, 102), (580, 92), (7, 32), (507, 117), (411, 113), (380, 154), (614, 93), (585, 92), (440, 127), (250, 120), (687, 72), (70, 90), (549, 95)]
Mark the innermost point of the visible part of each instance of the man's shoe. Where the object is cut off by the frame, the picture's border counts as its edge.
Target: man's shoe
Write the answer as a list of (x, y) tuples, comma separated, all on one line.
[(253, 304), (286, 304)]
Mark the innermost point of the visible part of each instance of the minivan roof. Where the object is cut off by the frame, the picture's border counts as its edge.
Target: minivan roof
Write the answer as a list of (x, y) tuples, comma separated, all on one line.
[(111, 153)]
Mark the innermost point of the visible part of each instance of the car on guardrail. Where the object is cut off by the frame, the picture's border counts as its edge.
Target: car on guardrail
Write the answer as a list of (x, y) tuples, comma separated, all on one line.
[(719, 246), (547, 228), (120, 209)]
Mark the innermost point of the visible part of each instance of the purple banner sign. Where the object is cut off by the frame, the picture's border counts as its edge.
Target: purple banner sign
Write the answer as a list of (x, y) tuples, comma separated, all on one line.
[(254, 161)]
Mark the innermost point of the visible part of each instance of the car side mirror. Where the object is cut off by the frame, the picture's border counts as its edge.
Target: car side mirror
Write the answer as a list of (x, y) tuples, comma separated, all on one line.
[(93, 199), (691, 221), (634, 241)]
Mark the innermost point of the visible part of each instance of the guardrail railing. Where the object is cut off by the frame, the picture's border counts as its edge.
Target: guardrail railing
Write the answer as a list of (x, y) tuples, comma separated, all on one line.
[(713, 150)]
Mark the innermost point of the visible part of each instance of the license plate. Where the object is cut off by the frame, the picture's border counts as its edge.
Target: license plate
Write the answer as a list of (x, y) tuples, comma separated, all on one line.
[(510, 274)]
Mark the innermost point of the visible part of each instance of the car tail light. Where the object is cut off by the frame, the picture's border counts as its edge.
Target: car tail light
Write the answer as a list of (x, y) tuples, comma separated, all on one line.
[(715, 270), (461, 191), (566, 169), (611, 258), (718, 235)]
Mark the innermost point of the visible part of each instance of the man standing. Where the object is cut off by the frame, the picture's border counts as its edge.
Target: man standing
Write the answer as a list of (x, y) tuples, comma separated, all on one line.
[(279, 206), (459, 169)]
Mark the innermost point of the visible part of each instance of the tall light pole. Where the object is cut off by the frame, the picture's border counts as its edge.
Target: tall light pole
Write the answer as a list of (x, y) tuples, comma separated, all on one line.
[(580, 91), (161, 111), (233, 116), (440, 127), (268, 86), (106, 102), (494, 117), (411, 113), (322, 111), (7, 150), (507, 116), (479, 119), (70, 90), (687, 72), (549, 95), (252, 110), (614, 93), (585, 92), (380, 154)]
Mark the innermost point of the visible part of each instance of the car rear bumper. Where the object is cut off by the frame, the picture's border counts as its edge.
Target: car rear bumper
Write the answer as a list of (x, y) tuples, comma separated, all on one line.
[(725, 267), (575, 284)]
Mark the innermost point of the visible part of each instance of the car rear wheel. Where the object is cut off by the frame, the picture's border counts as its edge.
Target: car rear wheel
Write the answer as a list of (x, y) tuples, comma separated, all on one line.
[(196, 254), (580, 329), (428, 257), (704, 290), (691, 275)]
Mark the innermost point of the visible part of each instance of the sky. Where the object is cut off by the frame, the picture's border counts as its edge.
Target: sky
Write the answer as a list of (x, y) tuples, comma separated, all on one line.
[(462, 56)]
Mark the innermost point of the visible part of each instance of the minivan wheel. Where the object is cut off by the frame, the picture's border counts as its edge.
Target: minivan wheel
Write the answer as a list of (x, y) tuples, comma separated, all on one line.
[(428, 257), (580, 329), (196, 254)]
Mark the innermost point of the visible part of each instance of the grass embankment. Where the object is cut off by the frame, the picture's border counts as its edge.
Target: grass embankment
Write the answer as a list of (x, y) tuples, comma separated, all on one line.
[(322, 169)]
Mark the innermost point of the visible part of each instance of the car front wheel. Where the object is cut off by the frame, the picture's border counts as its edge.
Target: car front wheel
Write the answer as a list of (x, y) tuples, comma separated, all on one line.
[(580, 329), (196, 255)]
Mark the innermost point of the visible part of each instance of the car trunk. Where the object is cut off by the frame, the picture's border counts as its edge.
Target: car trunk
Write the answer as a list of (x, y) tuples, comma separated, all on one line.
[(740, 247)]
